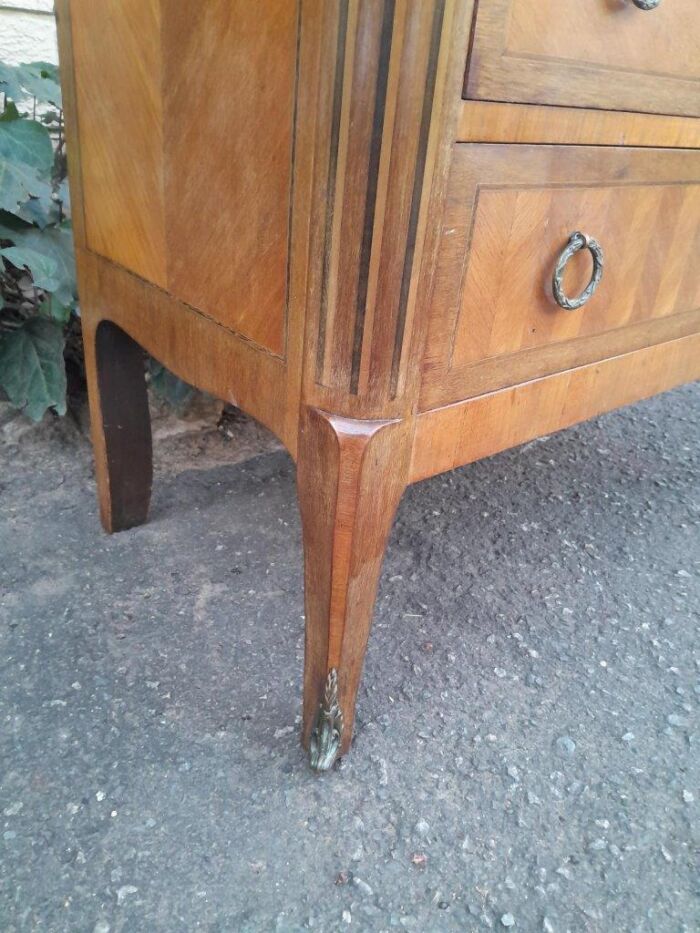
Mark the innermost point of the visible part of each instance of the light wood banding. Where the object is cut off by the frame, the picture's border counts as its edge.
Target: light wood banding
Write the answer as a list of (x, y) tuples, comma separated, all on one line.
[(449, 437), (482, 121)]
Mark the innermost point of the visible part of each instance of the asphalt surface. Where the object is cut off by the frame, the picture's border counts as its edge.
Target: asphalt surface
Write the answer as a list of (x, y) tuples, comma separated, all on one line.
[(526, 752)]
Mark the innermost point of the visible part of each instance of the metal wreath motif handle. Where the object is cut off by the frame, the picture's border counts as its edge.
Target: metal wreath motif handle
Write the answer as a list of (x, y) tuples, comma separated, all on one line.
[(577, 241), (646, 4)]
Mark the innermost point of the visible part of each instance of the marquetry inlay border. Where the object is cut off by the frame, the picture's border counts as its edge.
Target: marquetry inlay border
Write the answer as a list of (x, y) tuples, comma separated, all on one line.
[(386, 64)]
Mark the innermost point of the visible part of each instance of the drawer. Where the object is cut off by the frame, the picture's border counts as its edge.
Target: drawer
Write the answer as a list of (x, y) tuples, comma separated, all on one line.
[(508, 216), (606, 54)]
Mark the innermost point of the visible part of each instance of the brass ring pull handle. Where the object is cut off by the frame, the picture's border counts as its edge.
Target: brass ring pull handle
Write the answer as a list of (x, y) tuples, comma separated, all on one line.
[(646, 4), (577, 241)]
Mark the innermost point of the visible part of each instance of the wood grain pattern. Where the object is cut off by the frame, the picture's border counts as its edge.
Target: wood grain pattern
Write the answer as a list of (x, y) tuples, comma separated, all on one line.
[(449, 437), (484, 121), (201, 352), (229, 87), (345, 530), (503, 230), (117, 63), (601, 54)]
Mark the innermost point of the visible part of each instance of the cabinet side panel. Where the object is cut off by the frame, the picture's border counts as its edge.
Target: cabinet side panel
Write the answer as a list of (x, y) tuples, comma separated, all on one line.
[(117, 61), (229, 86)]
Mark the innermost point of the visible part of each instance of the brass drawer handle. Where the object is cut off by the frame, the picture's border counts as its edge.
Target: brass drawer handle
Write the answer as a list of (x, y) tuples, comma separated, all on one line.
[(577, 241), (646, 4)]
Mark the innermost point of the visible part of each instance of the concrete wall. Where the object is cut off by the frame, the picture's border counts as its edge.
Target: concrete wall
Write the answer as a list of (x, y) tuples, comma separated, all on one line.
[(27, 31)]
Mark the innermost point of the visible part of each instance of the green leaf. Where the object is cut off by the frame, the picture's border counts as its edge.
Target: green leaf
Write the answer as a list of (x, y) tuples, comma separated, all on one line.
[(40, 80), (37, 80), (26, 161), (11, 226), (27, 142), (32, 370), (55, 244), (9, 81), (55, 311), (45, 69), (43, 268), (166, 385), (10, 113), (38, 211)]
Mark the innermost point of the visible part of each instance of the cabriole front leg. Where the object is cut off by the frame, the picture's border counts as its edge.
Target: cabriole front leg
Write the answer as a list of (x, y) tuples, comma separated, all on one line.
[(350, 476)]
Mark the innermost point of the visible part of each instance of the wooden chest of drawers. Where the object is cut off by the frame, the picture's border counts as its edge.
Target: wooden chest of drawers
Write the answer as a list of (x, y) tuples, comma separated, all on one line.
[(403, 234)]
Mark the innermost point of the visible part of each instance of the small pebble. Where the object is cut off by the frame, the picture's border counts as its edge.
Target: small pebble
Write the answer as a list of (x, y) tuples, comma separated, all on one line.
[(688, 797), (358, 854), (363, 887), (508, 920), (285, 730), (566, 745), (125, 891), (422, 828)]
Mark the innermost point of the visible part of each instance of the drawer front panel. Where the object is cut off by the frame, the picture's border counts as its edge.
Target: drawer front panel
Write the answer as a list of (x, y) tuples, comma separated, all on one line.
[(602, 54), (509, 213)]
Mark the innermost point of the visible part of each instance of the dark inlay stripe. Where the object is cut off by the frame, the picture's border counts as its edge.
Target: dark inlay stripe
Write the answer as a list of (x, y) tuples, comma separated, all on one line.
[(331, 182), (421, 157), (371, 193)]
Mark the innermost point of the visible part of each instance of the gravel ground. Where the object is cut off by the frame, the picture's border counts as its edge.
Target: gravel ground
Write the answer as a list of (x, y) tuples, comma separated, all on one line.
[(526, 751)]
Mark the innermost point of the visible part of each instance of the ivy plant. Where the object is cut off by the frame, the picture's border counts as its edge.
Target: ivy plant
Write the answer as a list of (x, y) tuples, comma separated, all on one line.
[(37, 270)]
